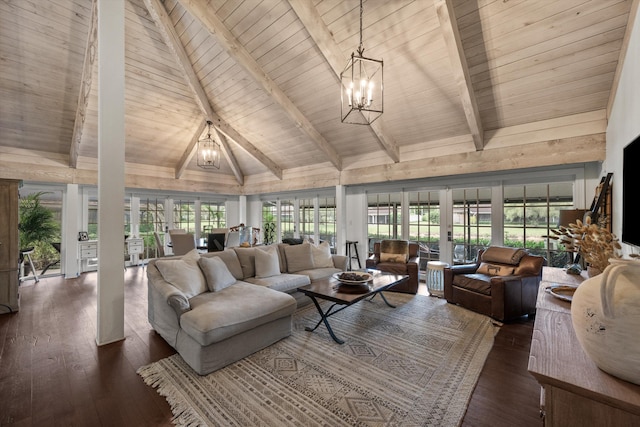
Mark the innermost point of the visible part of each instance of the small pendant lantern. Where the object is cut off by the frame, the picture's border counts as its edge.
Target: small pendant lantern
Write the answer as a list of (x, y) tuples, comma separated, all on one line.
[(208, 151)]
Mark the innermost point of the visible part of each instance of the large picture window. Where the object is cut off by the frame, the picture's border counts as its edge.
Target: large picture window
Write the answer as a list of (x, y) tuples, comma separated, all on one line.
[(152, 218), (424, 223), (327, 220), (184, 216), (471, 223), (287, 219), (212, 215), (383, 217), (530, 212)]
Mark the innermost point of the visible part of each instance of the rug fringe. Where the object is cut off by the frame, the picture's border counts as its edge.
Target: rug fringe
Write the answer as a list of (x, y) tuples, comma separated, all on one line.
[(183, 413)]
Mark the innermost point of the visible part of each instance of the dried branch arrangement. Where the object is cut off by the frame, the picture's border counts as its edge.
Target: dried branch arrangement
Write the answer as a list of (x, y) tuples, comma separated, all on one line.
[(593, 242)]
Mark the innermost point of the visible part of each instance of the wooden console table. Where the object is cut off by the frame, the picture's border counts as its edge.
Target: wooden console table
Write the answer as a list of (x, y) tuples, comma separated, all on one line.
[(575, 392)]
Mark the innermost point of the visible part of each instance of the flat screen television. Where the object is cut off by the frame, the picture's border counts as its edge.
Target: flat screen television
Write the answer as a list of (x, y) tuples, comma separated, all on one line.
[(630, 190)]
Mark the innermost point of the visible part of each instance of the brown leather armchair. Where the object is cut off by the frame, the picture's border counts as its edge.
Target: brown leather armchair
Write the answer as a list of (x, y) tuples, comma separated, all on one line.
[(503, 283), (406, 262)]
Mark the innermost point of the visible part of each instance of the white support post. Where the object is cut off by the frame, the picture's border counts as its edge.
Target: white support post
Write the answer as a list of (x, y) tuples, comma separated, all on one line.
[(111, 137)]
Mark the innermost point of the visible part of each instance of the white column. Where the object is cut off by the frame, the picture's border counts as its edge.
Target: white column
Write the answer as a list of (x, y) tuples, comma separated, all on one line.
[(71, 224), (341, 219), (111, 146)]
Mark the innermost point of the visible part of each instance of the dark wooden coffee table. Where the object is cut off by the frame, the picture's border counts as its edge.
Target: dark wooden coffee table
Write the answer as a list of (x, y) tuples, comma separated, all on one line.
[(344, 295)]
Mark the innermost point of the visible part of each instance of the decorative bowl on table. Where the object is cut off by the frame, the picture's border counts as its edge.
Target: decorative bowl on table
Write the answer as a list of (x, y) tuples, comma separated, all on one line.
[(353, 277)]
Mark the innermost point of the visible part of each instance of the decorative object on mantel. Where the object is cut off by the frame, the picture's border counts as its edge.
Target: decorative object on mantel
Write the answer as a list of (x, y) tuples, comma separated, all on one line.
[(208, 151), (361, 90), (594, 243), (606, 317)]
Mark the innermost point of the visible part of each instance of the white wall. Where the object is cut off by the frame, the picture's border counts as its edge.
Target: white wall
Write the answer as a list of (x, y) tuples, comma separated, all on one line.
[(624, 124)]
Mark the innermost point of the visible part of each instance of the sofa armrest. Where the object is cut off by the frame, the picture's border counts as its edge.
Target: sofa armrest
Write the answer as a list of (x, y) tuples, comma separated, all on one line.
[(340, 261), (414, 260), (372, 261), (463, 269)]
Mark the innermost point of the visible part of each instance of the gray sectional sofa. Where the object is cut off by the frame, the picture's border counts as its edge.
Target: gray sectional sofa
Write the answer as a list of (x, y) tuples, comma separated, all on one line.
[(218, 307)]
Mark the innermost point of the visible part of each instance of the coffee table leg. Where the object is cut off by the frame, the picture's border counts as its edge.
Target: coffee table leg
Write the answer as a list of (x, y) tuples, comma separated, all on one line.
[(324, 317), (383, 299)]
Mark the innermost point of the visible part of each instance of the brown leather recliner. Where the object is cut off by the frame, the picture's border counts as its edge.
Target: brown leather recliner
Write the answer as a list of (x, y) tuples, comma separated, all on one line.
[(503, 283), (388, 263)]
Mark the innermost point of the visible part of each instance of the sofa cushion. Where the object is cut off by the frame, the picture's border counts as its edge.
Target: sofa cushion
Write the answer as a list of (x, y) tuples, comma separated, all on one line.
[(267, 262), (215, 316), (321, 255), (319, 273), (480, 283), (184, 274), (299, 257), (230, 258), (495, 269), (247, 261), (282, 282), (503, 255), (394, 251), (216, 272)]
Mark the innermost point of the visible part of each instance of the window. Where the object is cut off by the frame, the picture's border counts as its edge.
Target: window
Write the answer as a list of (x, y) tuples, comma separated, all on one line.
[(269, 214), (424, 223), (212, 215), (92, 218), (184, 216), (530, 212), (327, 220), (471, 223), (287, 220), (306, 218), (152, 219), (383, 217)]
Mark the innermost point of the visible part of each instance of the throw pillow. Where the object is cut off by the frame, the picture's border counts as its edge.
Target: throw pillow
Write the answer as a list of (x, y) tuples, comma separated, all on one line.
[(321, 255), (267, 262), (494, 269), (387, 257), (394, 251), (217, 274), (503, 255), (184, 274), (247, 261), (299, 257), (230, 258)]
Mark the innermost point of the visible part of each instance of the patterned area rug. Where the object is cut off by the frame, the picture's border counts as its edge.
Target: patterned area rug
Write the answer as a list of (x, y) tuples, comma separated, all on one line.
[(415, 365)]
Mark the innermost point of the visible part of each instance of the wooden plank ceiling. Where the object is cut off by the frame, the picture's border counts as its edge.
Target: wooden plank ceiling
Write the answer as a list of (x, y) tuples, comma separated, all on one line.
[(459, 77)]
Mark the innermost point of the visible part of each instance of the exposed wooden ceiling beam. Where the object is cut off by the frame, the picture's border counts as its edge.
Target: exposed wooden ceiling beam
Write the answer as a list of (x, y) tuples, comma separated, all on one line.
[(190, 151), (206, 16), (233, 163), (85, 87), (172, 40), (623, 53), (334, 56), (460, 69)]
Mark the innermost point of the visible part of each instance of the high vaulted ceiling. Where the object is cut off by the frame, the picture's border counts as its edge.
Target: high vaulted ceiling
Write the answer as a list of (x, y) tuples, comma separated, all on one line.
[(469, 86)]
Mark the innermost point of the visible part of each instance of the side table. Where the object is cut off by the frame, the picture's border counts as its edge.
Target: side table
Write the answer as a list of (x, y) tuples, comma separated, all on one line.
[(435, 278)]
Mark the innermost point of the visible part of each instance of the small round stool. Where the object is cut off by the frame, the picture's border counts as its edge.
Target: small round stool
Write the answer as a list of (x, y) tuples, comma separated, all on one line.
[(435, 278)]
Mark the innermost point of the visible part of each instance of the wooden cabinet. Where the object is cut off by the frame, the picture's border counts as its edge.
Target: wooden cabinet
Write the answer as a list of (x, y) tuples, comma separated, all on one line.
[(9, 246), (575, 392), (87, 255)]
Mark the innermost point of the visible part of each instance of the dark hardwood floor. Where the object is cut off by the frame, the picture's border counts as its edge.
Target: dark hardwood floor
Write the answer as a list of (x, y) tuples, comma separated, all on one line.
[(52, 373)]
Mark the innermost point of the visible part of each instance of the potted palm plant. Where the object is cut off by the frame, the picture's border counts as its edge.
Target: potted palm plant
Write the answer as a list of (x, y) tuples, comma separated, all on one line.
[(37, 225)]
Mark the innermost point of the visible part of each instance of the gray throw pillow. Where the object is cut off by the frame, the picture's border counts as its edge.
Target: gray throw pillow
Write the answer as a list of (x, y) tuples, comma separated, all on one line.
[(267, 262), (299, 257), (184, 274), (216, 272)]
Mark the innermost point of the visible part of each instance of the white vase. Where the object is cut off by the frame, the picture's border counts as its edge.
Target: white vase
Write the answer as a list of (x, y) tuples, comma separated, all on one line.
[(606, 317)]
